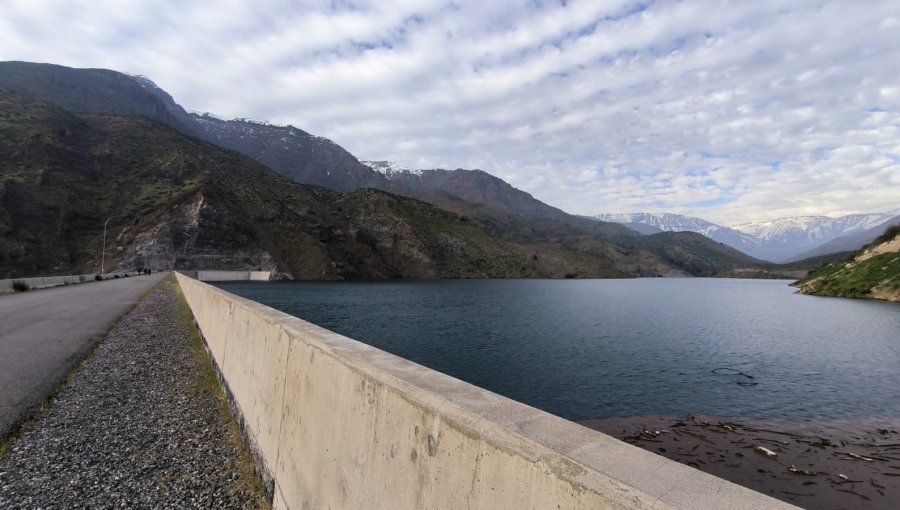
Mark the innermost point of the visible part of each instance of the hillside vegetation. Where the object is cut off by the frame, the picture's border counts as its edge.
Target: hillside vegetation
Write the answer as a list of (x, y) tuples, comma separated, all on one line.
[(873, 273), (82, 146), (181, 202)]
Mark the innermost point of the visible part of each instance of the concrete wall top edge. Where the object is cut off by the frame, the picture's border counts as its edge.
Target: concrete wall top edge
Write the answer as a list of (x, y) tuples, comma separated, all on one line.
[(518, 428), (230, 276)]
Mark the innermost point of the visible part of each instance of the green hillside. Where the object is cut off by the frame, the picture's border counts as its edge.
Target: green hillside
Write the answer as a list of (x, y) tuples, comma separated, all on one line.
[(873, 273)]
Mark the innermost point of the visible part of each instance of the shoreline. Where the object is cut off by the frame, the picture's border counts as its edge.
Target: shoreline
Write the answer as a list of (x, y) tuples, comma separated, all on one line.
[(834, 464)]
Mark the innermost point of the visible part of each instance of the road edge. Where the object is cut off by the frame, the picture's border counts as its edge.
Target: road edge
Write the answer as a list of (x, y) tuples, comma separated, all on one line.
[(33, 416)]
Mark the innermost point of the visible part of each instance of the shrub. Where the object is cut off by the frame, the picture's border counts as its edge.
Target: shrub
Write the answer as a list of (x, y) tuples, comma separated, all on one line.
[(20, 286), (97, 278), (888, 235)]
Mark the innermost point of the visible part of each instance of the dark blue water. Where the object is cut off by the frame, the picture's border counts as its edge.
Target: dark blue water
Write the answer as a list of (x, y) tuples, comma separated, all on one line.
[(586, 349)]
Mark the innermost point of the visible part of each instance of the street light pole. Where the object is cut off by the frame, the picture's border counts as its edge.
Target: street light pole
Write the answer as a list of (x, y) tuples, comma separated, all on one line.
[(103, 253), (183, 247)]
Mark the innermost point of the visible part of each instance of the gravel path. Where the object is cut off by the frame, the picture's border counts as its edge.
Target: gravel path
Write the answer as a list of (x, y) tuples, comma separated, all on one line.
[(141, 426)]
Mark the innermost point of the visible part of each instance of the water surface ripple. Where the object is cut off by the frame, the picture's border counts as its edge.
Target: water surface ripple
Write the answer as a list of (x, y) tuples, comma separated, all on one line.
[(586, 349)]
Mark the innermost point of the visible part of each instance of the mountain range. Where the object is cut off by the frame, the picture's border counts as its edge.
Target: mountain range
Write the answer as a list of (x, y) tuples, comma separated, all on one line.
[(782, 240), (543, 240), (175, 201), (192, 190)]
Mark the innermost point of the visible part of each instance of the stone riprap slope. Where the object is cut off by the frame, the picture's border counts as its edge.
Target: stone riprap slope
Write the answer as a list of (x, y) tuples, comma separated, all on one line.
[(142, 425)]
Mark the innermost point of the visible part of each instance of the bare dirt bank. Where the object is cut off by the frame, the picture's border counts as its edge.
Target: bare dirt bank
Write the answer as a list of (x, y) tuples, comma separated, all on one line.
[(824, 465)]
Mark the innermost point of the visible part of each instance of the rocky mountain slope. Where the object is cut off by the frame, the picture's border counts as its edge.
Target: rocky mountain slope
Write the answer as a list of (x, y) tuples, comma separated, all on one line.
[(782, 240), (290, 151), (874, 272), (473, 186), (180, 202), (555, 243), (310, 159), (93, 91)]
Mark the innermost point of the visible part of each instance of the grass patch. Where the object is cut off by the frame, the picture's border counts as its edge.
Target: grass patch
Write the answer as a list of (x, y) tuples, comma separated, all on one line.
[(855, 279), (207, 384)]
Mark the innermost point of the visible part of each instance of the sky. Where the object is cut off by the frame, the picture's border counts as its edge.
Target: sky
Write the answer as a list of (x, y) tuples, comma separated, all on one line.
[(732, 111)]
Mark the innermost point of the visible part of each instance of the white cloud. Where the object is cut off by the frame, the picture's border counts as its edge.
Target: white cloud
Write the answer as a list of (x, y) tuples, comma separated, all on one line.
[(733, 111)]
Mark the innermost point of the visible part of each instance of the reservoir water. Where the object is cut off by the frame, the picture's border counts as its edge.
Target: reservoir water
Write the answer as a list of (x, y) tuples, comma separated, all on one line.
[(584, 349)]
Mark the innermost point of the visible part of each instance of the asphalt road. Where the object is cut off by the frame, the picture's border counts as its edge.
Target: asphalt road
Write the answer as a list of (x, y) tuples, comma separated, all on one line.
[(44, 334)]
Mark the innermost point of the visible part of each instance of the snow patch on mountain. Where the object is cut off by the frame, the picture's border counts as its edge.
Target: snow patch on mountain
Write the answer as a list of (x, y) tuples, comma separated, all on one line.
[(664, 221), (219, 127), (679, 223), (389, 168), (815, 228), (776, 240), (207, 117)]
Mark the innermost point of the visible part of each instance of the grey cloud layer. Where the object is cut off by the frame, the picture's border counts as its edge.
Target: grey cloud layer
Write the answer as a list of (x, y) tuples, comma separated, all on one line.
[(732, 111)]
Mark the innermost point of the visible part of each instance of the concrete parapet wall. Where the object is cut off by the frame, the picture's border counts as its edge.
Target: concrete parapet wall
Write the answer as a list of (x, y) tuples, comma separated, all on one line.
[(43, 282), (40, 282), (339, 424), (225, 276)]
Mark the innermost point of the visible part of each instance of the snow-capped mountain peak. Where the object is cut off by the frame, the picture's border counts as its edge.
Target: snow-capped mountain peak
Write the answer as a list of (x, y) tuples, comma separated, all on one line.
[(815, 228), (775, 240), (667, 222), (389, 168)]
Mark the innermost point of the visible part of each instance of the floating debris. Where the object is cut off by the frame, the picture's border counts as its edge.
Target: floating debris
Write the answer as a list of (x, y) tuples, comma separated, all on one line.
[(796, 471), (796, 462), (734, 371), (855, 456), (765, 451)]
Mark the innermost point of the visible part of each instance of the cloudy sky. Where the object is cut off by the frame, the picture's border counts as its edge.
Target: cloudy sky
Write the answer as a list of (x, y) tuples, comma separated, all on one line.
[(728, 110)]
